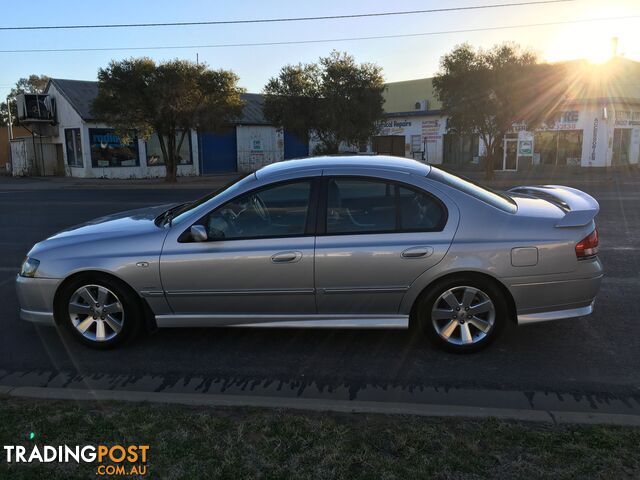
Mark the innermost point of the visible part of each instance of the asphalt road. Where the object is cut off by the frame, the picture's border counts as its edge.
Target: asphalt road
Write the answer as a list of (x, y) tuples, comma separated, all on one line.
[(596, 357)]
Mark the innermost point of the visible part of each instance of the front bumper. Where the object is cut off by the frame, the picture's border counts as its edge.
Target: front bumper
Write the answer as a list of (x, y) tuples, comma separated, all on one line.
[(35, 297)]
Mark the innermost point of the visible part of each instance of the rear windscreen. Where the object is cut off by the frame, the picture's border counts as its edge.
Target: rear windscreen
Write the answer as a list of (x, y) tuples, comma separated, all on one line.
[(496, 199)]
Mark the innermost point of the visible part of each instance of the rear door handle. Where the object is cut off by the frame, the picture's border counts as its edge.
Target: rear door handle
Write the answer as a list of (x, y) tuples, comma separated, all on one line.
[(286, 257), (417, 252)]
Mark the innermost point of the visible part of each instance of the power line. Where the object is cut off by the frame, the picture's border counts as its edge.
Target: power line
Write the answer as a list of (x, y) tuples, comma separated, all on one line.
[(290, 19), (324, 40)]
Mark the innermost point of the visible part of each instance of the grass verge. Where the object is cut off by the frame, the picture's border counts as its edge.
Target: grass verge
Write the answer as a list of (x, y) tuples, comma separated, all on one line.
[(194, 442)]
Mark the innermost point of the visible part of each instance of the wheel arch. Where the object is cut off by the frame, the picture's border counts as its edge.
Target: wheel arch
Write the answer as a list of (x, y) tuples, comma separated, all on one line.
[(482, 276), (149, 317)]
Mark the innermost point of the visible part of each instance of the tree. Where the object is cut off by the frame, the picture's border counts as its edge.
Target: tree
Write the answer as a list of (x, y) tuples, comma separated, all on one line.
[(168, 99), (30, 84), (486, 92), (336, 99)]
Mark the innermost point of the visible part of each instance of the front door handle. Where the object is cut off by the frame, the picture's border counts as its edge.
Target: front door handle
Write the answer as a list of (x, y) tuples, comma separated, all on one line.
[(417, 252), (286, 257)]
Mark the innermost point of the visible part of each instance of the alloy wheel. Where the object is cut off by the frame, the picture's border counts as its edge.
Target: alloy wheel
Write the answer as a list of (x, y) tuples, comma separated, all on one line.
[(463, 315), (96, 313)]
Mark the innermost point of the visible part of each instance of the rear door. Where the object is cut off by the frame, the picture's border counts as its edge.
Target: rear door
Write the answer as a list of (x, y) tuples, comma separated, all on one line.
[(375, 237)]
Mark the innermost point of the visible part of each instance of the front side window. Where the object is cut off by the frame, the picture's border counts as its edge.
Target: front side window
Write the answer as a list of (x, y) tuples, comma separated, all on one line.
[(378, 206), (111, 150), (275, 211), (73, 146)]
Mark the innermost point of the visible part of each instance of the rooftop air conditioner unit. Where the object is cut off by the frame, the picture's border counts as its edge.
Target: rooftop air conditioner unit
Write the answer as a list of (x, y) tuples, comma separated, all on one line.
[(35, 108), (421, 106)]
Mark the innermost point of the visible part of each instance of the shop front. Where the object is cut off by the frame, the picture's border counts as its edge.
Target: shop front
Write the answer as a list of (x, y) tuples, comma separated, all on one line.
[(420, 137)]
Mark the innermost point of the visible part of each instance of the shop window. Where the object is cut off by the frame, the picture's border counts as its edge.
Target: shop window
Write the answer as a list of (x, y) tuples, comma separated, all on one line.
[(73, 145), (154, 152), (460, 149), (624, 115), (111, 150), (416, 143), (559, 147)]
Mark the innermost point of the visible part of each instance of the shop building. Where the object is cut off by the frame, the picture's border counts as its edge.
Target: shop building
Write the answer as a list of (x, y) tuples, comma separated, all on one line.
[(598, 124), (67, 140)]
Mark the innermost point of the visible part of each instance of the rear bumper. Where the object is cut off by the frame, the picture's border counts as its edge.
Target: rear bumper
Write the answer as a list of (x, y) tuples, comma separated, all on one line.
[(35, 296), (528, 318), (555, 300)]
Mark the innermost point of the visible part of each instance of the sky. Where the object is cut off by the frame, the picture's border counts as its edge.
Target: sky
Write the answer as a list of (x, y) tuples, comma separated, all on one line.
[(401, 58)]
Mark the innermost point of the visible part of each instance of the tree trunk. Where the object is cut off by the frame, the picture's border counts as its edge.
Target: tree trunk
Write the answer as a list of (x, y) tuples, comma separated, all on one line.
[(488, 164), (168, 156), (172, 167), (489, 156)]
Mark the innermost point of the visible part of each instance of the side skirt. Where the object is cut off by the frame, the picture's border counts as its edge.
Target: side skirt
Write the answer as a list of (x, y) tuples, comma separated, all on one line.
[(284, 321)]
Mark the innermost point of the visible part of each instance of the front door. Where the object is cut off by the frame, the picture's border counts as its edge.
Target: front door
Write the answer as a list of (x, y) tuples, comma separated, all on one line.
[(257, 259), (510, 154), (621, 146), (375, 238)]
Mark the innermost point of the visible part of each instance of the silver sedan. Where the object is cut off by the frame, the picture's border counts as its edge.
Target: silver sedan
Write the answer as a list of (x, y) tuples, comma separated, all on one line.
[(339, 242)]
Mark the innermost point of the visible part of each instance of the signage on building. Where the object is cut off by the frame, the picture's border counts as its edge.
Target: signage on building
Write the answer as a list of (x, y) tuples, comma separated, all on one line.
[(431, 130), (525, 148), (391, 127)]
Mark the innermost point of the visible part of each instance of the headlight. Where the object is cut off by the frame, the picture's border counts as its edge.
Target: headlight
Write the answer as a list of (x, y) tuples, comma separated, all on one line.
[(29, 267)]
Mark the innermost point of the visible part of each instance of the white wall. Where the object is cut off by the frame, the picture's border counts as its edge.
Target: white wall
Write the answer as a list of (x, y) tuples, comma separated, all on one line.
[(258, 146)]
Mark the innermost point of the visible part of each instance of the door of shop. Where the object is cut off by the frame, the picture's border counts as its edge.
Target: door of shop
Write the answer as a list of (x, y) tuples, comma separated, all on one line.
[(621, 146), (510, 155), (294, 147), (389, 145), (218, 151)]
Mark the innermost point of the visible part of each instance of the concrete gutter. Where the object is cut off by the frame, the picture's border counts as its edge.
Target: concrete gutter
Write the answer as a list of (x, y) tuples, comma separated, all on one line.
[(323, 405)]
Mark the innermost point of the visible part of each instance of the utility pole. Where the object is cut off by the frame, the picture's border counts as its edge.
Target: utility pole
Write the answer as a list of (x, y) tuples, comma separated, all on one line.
[(10, 123)]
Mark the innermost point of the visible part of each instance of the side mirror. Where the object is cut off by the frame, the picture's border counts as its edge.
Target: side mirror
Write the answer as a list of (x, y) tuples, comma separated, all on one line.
[(199, 233)]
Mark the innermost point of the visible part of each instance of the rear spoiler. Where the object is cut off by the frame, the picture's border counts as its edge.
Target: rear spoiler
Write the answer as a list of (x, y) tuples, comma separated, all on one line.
[(579, 207)]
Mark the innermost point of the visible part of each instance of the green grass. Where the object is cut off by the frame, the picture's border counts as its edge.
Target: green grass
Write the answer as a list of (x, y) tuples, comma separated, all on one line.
[(190, 442)]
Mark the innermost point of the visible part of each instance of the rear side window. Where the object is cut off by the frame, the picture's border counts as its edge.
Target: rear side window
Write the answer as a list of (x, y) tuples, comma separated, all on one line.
[(379, 206), (419, 211), (357, 206)]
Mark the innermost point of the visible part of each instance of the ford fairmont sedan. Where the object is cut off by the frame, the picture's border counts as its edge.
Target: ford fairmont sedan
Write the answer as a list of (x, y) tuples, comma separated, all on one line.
[(338, 242)]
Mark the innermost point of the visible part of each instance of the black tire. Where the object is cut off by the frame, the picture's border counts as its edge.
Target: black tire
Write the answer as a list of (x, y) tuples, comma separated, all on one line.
[(480, 339), (131, 310)]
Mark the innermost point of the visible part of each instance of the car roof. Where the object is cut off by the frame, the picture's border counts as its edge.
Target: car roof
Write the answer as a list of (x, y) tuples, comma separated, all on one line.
[(375, 162)]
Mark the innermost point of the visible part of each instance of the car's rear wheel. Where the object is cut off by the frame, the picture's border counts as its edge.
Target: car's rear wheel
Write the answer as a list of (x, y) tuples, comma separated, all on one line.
[(99, 311), (462, 314)]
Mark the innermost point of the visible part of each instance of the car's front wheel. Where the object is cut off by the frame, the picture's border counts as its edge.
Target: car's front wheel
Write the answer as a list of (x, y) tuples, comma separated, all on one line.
[(462, 314), (99, 311)]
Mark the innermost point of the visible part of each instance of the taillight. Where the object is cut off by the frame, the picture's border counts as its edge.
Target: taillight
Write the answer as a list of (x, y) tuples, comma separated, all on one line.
[(588, 246)]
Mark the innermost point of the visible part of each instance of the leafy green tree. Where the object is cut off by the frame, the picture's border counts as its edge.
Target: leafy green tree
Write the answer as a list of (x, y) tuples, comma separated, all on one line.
[(168, 99), (336, 99), (30, 84), (487, 92)]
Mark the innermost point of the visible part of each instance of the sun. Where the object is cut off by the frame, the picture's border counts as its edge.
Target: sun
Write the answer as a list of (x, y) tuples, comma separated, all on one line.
[(597, 41), (582, 43)]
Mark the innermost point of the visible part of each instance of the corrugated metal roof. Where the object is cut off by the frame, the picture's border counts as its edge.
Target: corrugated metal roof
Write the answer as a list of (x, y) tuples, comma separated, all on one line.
[(81, 94), (252, 113)]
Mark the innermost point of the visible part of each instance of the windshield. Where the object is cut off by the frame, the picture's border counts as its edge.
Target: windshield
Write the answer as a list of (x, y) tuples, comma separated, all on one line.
[(179, 212), (487, 195)]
